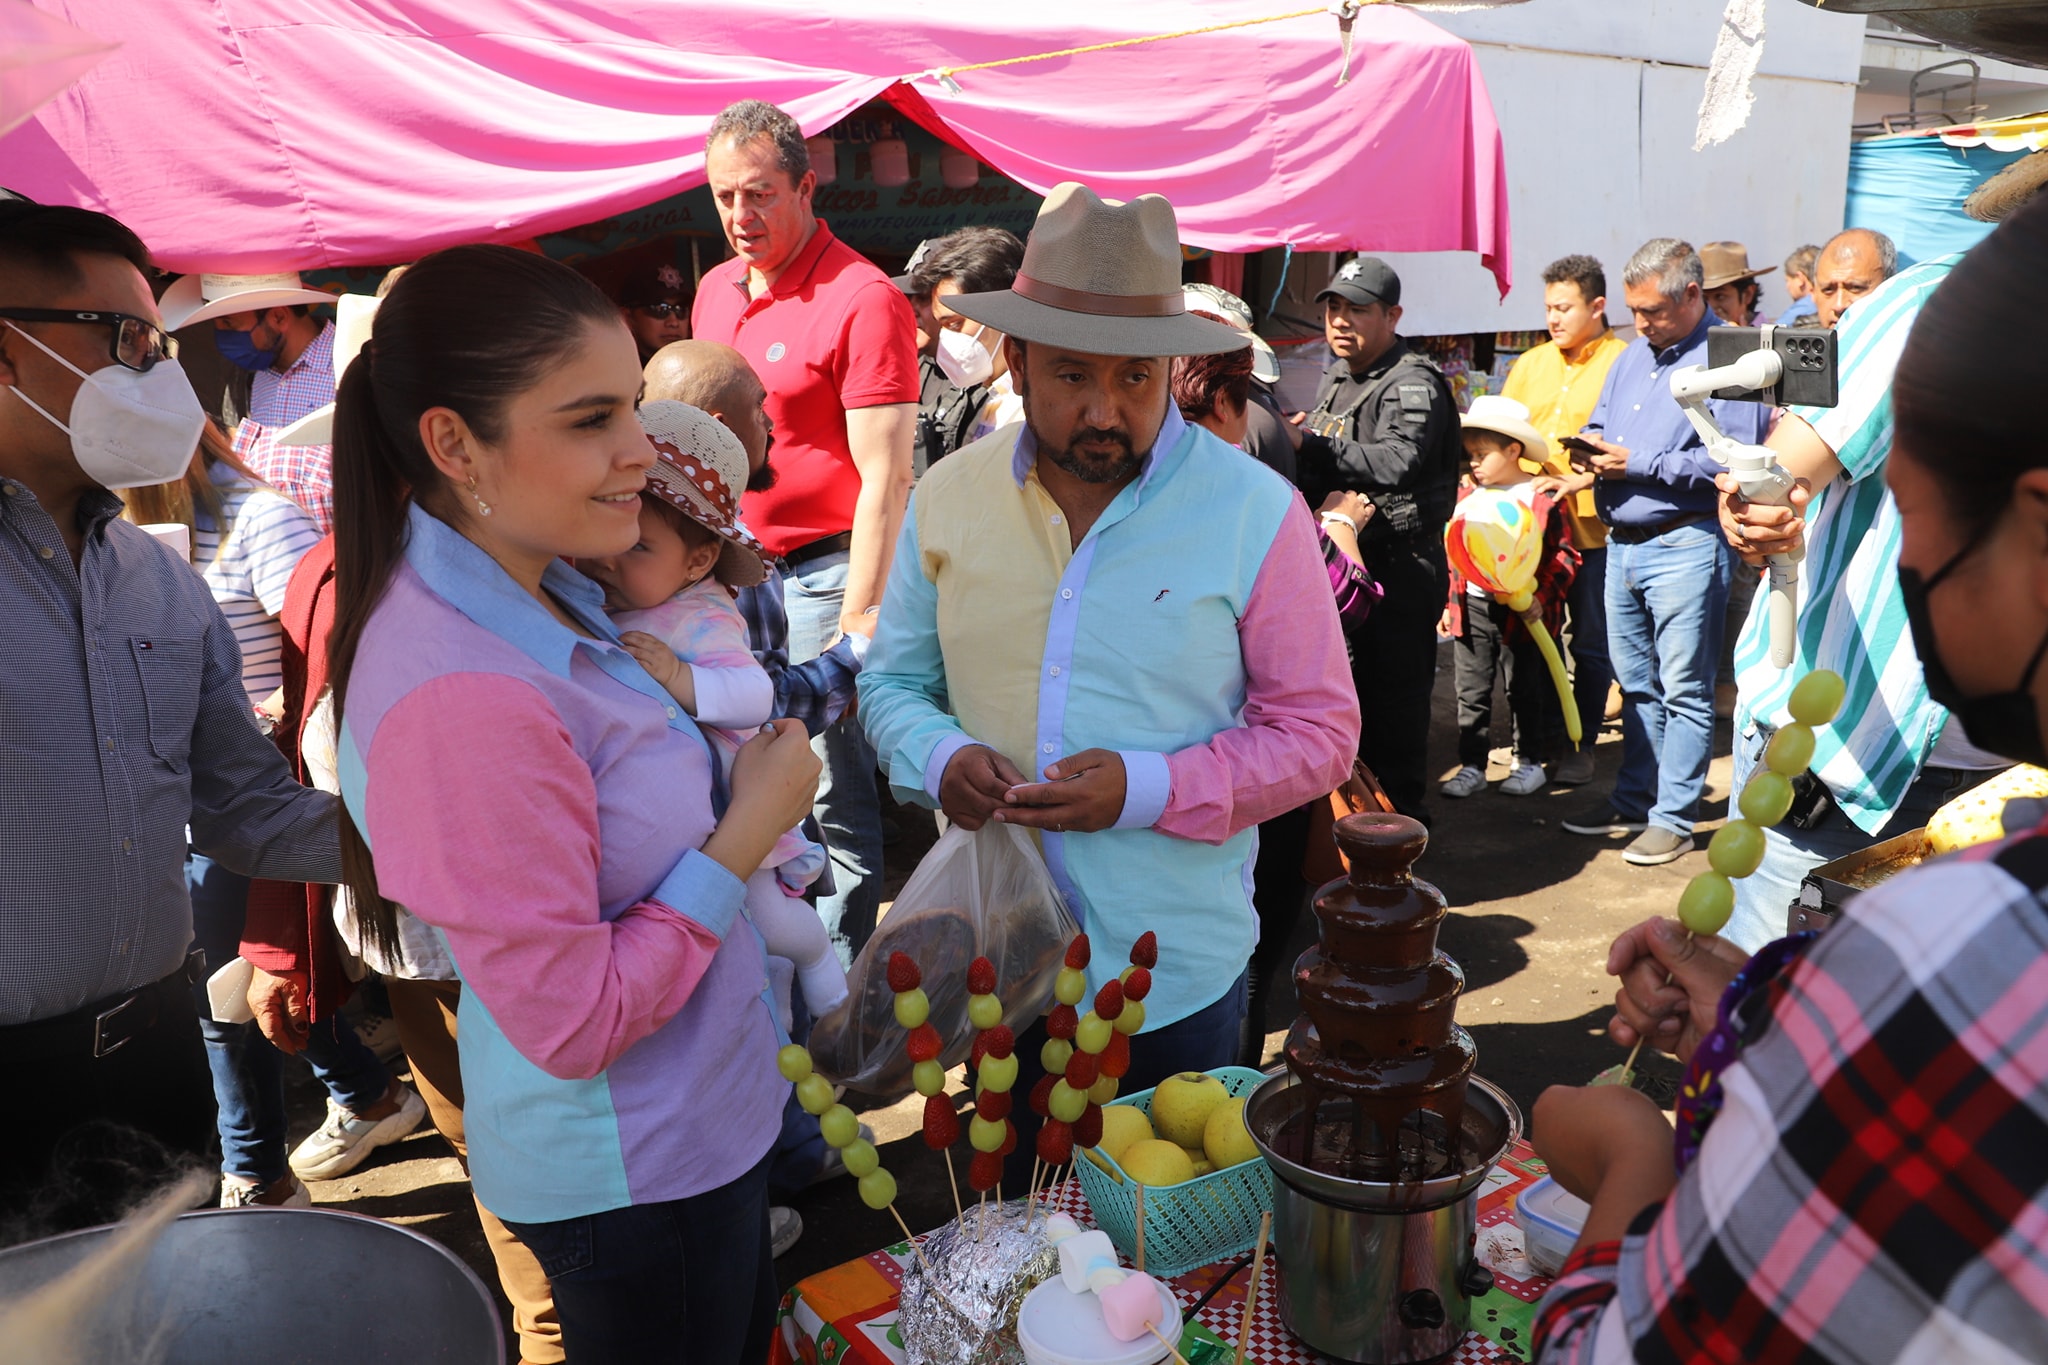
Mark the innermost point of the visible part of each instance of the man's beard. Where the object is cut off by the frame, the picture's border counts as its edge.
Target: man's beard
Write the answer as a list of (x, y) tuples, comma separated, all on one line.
[(1091, 468), (763, 479)]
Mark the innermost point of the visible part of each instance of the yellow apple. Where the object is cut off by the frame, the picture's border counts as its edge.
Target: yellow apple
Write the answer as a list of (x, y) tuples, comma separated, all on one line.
[(1225, 1139), (1182, 1104), (1155, 1161)]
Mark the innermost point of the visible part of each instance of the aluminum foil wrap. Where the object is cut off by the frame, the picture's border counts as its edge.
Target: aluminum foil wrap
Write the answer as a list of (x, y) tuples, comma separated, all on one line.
[(969, 1316)]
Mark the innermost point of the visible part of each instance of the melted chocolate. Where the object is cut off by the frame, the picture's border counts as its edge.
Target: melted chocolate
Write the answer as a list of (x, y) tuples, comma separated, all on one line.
[(1381, 1062)]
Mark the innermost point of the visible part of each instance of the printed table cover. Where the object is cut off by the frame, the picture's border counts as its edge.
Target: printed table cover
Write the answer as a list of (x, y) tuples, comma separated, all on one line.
[(847, 1315)]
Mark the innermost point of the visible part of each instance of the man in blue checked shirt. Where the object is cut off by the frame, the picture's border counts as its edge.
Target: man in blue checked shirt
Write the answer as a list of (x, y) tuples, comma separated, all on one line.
[(1667, 566), (123, 720)]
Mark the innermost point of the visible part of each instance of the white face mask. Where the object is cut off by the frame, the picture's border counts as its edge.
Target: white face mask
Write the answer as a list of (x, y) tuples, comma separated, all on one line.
[(964, 360), (128, 428)]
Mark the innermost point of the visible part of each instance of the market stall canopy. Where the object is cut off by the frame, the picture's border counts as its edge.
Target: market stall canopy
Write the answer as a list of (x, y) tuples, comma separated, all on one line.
[(291, 134)]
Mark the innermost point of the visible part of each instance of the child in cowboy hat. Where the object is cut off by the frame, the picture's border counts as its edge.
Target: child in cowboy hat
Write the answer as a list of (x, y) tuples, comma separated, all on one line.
[(671, 597), (1502, 445)]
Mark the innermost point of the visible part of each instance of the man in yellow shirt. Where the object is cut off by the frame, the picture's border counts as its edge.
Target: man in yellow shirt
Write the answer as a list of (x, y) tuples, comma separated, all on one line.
[(1559, 382)]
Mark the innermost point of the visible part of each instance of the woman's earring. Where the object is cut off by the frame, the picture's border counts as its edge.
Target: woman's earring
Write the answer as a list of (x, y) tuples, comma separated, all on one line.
[(483, 509)]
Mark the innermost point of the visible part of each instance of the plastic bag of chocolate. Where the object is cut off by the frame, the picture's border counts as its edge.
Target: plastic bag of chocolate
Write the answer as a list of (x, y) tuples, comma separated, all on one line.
[(981, 894)]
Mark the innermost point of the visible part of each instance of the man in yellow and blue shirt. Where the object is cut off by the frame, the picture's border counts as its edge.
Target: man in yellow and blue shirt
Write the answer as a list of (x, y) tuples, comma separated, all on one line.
[(1115, 629)]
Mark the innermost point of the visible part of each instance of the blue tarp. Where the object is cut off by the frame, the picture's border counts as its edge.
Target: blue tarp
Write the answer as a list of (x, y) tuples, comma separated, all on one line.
[(1912, 190)]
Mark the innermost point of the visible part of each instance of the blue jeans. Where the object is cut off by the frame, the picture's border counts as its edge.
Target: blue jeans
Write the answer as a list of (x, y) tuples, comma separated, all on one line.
[(849, 809), (248, 1073), (1210, 1037), (1665, 599), (686, 1280), (1763, 900), (1587, 633)]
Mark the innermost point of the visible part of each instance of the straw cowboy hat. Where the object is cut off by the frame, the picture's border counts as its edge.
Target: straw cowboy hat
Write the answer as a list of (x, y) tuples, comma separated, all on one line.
[(1996, 198), (353, 314), (201, 298), (1208, 298), (702, 468), (1728, 263), (1102, 278), (1505, 417)]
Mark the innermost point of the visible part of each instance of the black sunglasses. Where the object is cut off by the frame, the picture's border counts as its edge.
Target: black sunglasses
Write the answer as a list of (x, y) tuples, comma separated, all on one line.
[(135, 343), (663, 310)]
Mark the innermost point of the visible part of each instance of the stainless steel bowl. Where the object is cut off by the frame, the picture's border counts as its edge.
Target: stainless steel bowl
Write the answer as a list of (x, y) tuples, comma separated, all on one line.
[(1492, 1122), (310, 1286)]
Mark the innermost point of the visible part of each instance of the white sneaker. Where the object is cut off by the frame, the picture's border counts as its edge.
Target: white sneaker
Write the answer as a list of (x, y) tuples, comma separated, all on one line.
[(344, 1142), (237, 1193), (785, 1225), (1525, 779), (1467, 781)]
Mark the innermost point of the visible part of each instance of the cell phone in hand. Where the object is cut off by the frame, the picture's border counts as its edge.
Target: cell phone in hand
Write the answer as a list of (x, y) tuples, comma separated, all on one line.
[(1579, 451)]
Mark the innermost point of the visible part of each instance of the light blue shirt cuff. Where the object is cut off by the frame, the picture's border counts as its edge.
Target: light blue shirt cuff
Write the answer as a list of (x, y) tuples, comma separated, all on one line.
[(1148, 786), (702, 891), (935, 766)]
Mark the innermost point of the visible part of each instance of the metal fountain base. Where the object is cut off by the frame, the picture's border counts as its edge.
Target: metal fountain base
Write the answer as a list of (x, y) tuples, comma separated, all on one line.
[(1378, 1272)]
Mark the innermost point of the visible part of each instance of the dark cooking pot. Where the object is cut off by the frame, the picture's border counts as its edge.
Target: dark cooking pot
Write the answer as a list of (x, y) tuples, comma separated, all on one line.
[(282, 1286)]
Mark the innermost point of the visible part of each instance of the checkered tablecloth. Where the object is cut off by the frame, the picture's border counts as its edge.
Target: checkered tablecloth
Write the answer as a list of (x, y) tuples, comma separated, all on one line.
[(847, 1315)]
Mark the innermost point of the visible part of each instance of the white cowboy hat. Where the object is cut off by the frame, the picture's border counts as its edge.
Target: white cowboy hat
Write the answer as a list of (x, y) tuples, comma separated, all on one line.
[(1505, 417), (1102, 278), (201, 298), (1209, 298), (353, 314)]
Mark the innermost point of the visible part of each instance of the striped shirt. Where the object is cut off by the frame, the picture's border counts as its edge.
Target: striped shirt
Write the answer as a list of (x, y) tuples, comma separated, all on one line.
[(1852, 617), (247, 560)]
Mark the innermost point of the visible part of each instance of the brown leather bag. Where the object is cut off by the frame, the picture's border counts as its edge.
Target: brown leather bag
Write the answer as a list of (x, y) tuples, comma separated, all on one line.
[(1323, 861)]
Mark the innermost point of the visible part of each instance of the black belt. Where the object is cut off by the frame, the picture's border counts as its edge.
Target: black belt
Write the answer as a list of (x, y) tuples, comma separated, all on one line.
[(819, 548), (105, 1026), (1636, 535)]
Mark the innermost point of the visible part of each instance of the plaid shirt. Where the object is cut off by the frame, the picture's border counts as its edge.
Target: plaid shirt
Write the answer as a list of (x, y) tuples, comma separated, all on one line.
[(1875, 1186), (305, 474), (278, 398), (816, 692)]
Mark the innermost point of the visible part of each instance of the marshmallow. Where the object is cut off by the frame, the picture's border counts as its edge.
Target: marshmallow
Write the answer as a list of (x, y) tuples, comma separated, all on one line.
[(1059, 1227), (1103, 1276), (1081, 1254), (1132, 1305)]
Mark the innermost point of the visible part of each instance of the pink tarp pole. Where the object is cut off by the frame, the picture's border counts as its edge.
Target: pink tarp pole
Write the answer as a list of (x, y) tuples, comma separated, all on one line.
[(268, 134)]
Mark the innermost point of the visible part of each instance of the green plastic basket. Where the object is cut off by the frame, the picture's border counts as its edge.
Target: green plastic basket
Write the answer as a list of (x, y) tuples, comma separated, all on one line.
[(1190, 1224)]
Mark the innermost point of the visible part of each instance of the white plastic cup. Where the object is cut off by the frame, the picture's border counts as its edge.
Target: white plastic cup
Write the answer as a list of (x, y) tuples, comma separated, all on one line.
[(175, 534)]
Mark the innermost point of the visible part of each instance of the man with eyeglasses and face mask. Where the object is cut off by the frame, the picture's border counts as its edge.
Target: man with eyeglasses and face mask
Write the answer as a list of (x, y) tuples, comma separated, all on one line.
[(122, 714)]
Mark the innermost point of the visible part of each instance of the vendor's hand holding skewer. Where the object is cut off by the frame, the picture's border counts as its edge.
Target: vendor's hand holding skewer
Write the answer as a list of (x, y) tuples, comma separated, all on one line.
[(1671, 984)]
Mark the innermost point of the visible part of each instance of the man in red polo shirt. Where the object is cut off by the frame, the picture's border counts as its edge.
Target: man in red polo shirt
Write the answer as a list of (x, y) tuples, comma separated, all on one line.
[(835, 342)]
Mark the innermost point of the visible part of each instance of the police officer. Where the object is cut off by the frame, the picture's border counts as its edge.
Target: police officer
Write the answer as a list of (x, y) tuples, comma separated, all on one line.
[(1385, 425)]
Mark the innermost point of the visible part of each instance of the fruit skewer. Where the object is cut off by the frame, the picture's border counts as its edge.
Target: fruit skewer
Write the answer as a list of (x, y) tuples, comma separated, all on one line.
[(1737, 848)]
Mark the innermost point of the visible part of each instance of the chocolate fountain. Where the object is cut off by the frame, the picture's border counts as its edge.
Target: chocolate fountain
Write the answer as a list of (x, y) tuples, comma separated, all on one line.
[(1378, 1131)]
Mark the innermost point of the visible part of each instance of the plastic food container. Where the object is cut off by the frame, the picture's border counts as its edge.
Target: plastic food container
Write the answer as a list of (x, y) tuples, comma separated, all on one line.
[(1189, 1224), (1551, 1221), (1059, 1327)]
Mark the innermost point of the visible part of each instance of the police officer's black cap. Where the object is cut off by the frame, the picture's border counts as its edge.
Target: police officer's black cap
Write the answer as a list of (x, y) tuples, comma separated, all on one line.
[(1365, 279)]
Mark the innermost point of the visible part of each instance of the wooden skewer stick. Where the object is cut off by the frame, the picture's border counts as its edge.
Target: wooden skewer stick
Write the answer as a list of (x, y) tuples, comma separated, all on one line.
[(1251, 1294), (981, 1227), (1031, 1191), (914, 1246), (1173, 1350), (1141, 1229), (958, 1215)]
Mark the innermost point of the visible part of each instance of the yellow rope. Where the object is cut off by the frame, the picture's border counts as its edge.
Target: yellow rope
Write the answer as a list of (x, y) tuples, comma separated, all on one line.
[(946, 72)]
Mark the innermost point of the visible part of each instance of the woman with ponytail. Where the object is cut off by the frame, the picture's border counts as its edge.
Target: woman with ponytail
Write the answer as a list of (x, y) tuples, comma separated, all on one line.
[(515, 780)]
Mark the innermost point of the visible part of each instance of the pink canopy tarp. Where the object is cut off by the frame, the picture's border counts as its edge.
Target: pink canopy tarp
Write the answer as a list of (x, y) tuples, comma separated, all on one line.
[(246, 135)]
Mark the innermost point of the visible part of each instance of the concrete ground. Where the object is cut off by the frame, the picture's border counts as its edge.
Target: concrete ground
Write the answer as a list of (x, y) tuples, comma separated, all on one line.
[(1533, 911)]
